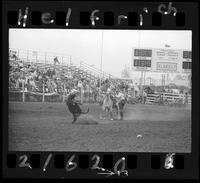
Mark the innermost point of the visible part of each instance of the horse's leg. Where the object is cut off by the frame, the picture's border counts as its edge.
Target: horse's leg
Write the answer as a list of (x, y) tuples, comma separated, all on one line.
[(118, 112), (102, 113), (111, 113), (121, 115), (117, 104), (121, 111), (118, 115), (106, 113)]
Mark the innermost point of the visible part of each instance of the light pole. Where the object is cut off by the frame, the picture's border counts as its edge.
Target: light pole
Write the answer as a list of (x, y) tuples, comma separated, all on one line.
[(101, 62), (166, 75)]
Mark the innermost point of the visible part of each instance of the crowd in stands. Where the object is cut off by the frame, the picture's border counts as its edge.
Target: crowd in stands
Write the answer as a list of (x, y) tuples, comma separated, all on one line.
[(28, 77), (31, 77)]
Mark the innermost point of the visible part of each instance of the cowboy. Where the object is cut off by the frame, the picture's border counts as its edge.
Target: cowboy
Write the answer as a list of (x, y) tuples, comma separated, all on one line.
[(119, 96), (120, 102)]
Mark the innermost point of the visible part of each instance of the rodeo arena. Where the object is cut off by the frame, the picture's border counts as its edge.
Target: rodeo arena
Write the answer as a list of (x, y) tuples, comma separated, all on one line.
[(56, 104)]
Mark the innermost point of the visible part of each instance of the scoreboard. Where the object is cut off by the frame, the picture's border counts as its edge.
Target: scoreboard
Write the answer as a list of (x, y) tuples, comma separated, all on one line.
[(162, 60), (187, 61), (142, 59)]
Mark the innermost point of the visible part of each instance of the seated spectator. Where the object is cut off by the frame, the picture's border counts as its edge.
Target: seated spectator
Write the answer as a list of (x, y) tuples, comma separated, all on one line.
[(19, 84), (32, 84)]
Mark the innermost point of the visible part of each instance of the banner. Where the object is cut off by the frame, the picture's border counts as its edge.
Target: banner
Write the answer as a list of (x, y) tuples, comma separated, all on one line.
[(36, 93)]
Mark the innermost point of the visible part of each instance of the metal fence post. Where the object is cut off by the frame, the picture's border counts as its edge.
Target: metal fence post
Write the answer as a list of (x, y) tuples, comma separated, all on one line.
[(81, 94), (43, 93), (89, 91), (64, 93), (23, 94)]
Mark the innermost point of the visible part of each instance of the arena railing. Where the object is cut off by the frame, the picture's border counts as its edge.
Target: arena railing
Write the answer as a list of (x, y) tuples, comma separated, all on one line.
[(168, 97)]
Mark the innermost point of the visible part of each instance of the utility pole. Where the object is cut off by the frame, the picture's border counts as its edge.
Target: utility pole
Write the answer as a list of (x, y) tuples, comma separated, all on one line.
[(101, 62)]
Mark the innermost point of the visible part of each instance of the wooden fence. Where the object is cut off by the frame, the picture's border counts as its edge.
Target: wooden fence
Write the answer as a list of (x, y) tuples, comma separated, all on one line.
[(168, 98)]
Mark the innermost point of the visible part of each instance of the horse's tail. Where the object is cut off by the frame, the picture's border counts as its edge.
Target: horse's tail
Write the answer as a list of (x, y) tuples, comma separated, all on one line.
[(85, 111)]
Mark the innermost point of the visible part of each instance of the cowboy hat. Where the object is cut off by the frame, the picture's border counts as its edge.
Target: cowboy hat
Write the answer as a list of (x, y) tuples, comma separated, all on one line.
[(74, 91), (108, 90)]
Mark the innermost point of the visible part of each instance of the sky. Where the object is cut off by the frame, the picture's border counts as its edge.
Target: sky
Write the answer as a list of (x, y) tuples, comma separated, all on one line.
[(114, 47)]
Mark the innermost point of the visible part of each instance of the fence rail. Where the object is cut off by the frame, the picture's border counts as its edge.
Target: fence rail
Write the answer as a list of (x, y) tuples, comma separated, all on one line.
[(168, 97), (37, 56), (91, 97), (28, 96)]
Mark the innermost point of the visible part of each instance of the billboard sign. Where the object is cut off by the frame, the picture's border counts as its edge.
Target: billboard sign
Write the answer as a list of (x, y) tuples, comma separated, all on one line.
[(163, 66), (161, 60), (166, 60)]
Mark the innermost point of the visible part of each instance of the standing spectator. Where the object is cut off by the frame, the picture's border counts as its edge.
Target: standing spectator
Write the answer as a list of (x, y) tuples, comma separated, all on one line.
[(19, 83), (126, 87), (136, 89), (95, 91), (56, 60), (131, 87), (144, 96), (32, 84)]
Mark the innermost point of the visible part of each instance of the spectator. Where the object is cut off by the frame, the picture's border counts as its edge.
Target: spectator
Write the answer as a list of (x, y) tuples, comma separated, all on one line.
[(19, 83), (136, 89), (144, 96), (32, 84), (56, 60)]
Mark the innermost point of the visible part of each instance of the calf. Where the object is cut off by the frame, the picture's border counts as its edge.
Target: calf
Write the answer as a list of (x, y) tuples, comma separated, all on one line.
[(74, 107)]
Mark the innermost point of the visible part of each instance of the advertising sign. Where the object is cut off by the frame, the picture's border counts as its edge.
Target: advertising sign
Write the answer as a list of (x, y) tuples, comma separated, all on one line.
[(166, 60), (162, 60)]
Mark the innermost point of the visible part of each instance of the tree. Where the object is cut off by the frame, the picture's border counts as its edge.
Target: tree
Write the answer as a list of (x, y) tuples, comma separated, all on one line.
[(126, 72)]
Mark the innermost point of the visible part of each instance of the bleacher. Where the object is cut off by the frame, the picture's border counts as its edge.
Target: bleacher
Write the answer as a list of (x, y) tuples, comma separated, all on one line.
[(45, 61)]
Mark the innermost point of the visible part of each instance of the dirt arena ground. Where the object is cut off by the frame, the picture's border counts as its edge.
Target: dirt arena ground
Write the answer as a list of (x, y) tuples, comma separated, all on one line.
[(47, 127)]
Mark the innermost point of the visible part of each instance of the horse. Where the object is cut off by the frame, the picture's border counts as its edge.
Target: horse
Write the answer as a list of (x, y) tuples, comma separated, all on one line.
[(107, 106)]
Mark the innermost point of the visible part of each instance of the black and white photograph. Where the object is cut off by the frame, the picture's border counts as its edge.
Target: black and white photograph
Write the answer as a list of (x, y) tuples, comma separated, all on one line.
[(100, 90)]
